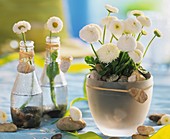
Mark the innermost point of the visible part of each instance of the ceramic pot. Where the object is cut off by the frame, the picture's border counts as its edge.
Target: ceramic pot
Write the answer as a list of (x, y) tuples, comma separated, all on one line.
[(115, 111)]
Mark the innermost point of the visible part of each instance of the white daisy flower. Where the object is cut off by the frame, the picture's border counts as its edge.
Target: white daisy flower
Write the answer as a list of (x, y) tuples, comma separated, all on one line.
[(107, 20), (111, 9), (165, 119), (137, 13), (21, 27), (145, 21), (3, 117), (90, 33), (116, 27), (108, 52), (132, 26), (98, 28), (136, 55), (54, 24), (127, 43), (140, 46)]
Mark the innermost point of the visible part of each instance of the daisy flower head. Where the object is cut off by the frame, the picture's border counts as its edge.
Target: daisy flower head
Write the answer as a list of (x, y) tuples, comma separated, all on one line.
[(3, 117), (116, 27), (108, 52), (107, 20), (145, 21), (136, 55), (21, 27), (111, 9), (137, 13), (132, 25), (140, 46), (54, 24), (90, 33), (98, 28), (127, 43)]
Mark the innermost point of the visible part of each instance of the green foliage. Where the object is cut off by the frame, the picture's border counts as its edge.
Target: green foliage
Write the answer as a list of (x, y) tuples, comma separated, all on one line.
[(87, 135), (52, 70), (123, 65)]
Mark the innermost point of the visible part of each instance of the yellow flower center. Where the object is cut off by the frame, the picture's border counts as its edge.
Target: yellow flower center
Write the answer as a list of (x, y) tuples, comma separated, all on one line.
[(20, 27), (55, 24), (117, 26)]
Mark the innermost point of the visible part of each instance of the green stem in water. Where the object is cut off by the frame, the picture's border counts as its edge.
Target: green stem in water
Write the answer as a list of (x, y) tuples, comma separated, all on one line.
[(52, 90), (113, 36), (148, 46), (50, 36), (94, 51), (24, 39)]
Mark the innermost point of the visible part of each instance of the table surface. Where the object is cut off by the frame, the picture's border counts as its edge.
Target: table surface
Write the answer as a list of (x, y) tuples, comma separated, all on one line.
[(160, 102)]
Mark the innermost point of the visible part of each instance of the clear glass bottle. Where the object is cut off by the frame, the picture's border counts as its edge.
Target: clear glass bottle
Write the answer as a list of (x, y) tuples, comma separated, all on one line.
[(26, 95), (53, 83)]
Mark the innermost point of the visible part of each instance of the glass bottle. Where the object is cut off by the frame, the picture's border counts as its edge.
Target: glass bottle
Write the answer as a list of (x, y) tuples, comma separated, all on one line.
[(53, 83), (26, 95)]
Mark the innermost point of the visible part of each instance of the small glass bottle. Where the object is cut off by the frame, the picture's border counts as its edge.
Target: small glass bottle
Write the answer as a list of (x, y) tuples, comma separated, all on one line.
[(26, 95), (53, 83)]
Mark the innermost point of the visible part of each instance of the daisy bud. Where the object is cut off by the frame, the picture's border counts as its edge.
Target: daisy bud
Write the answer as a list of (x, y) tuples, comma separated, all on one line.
[(107, 20), (144, 32), (157, 33)]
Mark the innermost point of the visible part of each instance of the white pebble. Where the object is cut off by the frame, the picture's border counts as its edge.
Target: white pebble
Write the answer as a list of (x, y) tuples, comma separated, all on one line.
[(132, 78), (75, 113)]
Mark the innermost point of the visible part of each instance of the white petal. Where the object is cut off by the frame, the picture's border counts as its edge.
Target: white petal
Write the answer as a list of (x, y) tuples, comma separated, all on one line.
[(116, 27), (136, 55), (21, 27), (165, 119), (145, 21), (140, 46), (132, 26), (108, 52), (90, 33), (126, 43), (107, 20), (54, 20), (111, 9), (75, 113)]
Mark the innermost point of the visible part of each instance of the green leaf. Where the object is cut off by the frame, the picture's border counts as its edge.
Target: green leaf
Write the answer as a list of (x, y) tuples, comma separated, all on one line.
[(89, 135), (52, 70), (90, 60), (54, 55)]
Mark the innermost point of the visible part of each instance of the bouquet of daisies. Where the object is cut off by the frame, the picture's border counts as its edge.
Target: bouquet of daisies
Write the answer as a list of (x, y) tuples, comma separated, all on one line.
[(120, 57)]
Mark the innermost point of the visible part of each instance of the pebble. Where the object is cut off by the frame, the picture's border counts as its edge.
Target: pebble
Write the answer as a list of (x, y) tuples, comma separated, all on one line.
[(75, 113), (112, 78), (145, 130), (132, 78), (155, 117), (57, 136), (123, 79), (114, 138), (94, 75), (8, 127), (137, 136), (67, 124)]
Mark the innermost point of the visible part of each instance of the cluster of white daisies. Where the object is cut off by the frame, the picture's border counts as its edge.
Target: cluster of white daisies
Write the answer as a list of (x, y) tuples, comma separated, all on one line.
[(127, 33)]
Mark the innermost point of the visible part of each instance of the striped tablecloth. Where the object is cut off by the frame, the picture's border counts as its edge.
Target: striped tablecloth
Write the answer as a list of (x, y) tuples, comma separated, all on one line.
[(160, 102)]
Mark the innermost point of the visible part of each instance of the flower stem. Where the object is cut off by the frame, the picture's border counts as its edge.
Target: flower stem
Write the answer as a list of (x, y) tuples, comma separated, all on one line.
[(113, 36), (94, 51), (148, 46), (139, 35), (123, 67), (50, 36), (52, 90), (100, 42), (104, 33), (24, 39)]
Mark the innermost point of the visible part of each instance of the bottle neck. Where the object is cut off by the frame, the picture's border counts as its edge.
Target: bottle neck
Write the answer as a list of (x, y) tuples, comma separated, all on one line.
[(52, 49), (26, 54)]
